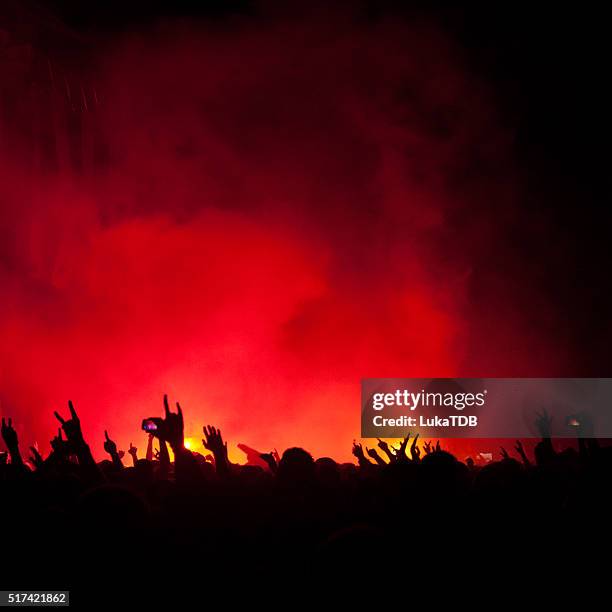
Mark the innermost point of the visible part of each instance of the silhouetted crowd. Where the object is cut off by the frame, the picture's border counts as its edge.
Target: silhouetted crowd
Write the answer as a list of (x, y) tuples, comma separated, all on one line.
[(68, 520)]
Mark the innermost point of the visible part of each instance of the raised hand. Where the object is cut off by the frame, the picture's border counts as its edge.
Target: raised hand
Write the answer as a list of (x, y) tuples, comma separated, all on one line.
[(400, 455), (357, 450), (72, 426), (504, 453), (111, 448), (372, 452), (171, 429), (427, 447), (213, 441), (384, 447), (9, 435), (415, 452), (521, 451), (109, 445), (269, 459), (36, 459), (133, 451), (438, 447), (59, 445), (544, 423)]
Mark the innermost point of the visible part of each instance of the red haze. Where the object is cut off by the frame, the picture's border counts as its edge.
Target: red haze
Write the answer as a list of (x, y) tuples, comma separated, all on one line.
[(254, 218)]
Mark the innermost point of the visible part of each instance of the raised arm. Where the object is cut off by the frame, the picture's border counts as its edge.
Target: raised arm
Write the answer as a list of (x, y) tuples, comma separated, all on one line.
[(76, 443), (415, 451), (111, 448), (9, 435), (133, 451), (372, 452), (361, 458), (544, 449), (149, 455), (36, 458), (270, 460), (164, 459), (523, 455), (213, 441), (400, 454), (384, 447), (171, 431)]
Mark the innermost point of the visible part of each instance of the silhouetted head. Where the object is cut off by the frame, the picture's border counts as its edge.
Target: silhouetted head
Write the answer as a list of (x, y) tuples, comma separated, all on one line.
[(144, 471), (442, 473), (439, 458), (296, 465), (348, 470), (328, 471)]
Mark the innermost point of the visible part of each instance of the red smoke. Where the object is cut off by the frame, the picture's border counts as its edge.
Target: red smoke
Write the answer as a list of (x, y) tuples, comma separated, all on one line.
[(258, 215)]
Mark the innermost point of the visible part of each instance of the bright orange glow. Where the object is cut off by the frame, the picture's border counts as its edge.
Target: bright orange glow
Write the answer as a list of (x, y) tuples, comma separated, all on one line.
[(191, 444)]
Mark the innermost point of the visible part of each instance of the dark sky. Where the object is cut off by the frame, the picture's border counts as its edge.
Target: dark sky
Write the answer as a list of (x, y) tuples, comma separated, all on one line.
[(548, 67)]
